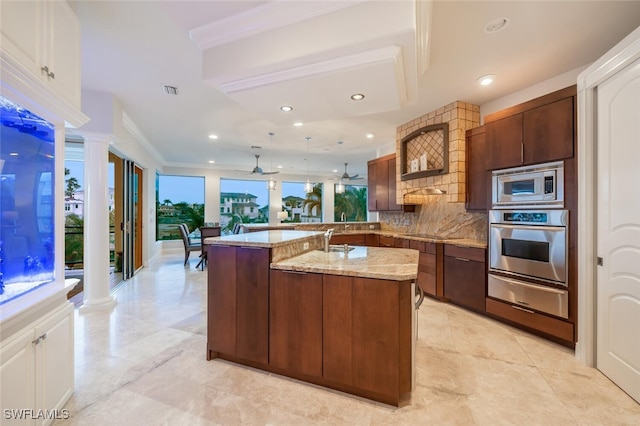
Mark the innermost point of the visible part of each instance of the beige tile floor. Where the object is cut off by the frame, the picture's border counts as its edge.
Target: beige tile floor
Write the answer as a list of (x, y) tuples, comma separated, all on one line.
[(144, 364)]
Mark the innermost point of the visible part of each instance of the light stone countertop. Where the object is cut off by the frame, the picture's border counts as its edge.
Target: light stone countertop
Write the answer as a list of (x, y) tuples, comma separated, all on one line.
[(265, 239), (384, 263)]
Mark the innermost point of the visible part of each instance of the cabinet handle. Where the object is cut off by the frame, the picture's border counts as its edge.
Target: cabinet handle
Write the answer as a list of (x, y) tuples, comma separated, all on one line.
[(45, 69), (522, 152), (462, 259), (522, 302), (529, 311), (39, 339), (295, 272)]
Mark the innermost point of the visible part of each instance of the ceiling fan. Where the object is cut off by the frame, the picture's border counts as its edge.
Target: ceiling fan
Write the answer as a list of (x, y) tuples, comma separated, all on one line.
[(345, 175), (258, 170)]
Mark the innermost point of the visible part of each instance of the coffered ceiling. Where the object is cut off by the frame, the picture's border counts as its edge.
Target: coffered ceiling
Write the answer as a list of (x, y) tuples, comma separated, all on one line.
[(235, 63)]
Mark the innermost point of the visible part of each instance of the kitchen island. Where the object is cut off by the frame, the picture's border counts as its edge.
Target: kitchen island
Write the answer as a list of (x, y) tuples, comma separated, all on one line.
[(343, 320)]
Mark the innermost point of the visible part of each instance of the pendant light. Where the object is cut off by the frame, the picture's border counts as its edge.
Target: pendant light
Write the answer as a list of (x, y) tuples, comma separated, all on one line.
[(339, 187), (271, 183), (308, 186)]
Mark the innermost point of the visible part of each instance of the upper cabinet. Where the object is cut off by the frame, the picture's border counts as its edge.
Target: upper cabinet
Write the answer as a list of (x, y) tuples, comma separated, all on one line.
[(381, 195), (537, 131), (478, 182), (43, 39)]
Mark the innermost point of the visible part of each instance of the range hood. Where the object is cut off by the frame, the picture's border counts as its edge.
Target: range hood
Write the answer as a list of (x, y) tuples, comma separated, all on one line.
[(426, 191)]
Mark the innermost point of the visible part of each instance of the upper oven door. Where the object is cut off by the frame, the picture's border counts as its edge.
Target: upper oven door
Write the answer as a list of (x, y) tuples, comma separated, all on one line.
[(534, 251)]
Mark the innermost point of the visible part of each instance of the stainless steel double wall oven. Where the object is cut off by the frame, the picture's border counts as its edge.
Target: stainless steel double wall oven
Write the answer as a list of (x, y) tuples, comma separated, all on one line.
[(528, 241)]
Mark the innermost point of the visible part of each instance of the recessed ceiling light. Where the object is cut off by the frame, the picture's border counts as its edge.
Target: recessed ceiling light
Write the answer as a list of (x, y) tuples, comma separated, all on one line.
[(211, 162), (13, 154), (486, 79), (279, 167), (286, 108), (369, 135), (496, 25), (213, 136), (298, 124), (357, 96)]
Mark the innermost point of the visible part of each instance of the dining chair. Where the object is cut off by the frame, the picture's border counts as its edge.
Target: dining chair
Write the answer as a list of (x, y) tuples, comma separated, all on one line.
[(206, 232), (188, 245)]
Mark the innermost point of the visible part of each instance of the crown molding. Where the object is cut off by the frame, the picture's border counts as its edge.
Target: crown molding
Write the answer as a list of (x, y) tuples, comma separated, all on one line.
[(267, 17)]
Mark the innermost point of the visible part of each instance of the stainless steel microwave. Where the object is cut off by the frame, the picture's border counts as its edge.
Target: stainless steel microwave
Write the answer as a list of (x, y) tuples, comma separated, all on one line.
[(536, 186)]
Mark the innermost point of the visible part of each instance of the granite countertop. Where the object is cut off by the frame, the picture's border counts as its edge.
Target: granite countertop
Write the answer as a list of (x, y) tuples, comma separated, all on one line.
[(266, 239), (370, 262)]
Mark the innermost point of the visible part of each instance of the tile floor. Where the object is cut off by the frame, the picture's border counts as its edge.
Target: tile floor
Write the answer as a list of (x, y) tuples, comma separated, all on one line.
[(144, 364)]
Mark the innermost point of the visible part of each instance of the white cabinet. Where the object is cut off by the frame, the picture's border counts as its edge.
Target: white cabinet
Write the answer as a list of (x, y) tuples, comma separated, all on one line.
[(43, 37), (36, 369)]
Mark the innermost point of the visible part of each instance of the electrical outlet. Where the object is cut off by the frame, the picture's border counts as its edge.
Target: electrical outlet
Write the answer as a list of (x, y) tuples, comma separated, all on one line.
[(372, 227), (305, 246)]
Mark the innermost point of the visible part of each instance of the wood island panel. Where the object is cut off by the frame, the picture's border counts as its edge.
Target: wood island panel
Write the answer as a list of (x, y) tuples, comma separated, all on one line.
[(337, 326), (221, 298), (295, 321)]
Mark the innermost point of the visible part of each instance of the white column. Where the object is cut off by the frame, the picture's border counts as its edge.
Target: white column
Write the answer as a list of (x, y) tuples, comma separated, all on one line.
[(96, 224)]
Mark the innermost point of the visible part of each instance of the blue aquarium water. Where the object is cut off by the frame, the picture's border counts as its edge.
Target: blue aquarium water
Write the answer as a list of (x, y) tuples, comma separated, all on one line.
[(27, 165)]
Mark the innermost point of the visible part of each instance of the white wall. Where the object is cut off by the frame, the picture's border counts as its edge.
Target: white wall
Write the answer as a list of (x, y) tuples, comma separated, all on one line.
[(556, 83)]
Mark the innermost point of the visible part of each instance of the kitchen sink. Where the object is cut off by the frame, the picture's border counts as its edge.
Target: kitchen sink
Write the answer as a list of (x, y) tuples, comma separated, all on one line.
[(337, 248)]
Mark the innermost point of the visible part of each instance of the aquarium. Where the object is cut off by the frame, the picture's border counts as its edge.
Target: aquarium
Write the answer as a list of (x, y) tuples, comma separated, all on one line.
[(27, 165)]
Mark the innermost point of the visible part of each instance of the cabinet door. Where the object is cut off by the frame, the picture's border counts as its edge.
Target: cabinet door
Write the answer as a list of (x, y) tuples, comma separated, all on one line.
[(504, 142), (337, 329), (295, 322), (252, 303), (465, 277), (478, 179), (54, 359), (21, 29), (381, 188), (221, 297), (17, 377), (391, 185), (62, 48), (371, 186), (549, 132)]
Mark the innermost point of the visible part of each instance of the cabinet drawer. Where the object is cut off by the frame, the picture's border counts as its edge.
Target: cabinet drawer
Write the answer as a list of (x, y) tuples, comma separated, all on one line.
[(355, 239), (386, 241), (402, 242), (530, 296), (469, 253), (548, 325), (423, 246)]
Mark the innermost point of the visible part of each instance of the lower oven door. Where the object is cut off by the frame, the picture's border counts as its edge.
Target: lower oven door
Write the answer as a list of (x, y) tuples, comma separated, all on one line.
[(534, 251), (529, 296)]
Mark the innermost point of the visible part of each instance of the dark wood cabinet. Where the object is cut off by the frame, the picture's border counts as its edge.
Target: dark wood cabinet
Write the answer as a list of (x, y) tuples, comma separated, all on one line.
[(478, 181), (381, 194), (429, 267), (536, 131), (367, 338), (386, 241), (238, 314), (465, 276), (353, 239), (295, 322)]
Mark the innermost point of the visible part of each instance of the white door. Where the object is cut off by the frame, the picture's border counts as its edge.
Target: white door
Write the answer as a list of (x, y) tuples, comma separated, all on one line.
[(618, 234)]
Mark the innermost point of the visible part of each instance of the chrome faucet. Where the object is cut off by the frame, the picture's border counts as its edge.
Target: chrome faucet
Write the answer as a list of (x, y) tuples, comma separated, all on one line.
[(343, 217), (327, 237)]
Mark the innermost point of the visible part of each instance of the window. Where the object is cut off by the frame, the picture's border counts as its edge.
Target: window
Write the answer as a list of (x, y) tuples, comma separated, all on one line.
[(179, 199), (247, 201), (302, 207), (353, 203)]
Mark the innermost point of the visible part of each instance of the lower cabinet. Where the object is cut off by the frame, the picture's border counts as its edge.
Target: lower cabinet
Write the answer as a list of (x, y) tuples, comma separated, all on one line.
[(36, 366), (238, 302), (465, 276), (367, 335), (349, 333), (295, 321), (429, 267)]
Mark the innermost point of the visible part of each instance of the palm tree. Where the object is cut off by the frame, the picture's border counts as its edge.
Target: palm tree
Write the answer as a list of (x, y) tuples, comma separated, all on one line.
[(314, 200), (353, 203), (72, 184)]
